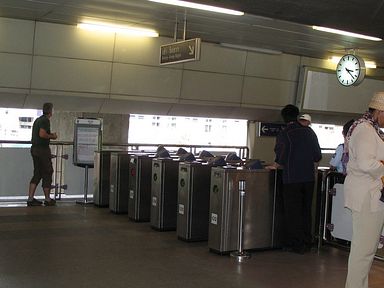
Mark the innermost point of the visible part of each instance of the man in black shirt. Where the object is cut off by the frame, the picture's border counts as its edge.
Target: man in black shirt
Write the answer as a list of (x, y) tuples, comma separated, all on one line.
[(297, 150), (41, 155)]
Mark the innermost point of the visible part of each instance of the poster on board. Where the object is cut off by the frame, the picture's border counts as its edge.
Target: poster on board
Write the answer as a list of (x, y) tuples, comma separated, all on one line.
[(86, 140)]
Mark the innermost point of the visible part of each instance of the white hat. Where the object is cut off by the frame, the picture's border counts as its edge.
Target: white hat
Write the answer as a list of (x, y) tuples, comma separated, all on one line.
[(307, 117), (377, 101)]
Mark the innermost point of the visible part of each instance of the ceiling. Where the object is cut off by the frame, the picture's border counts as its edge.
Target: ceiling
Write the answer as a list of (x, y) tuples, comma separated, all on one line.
[(283, 25)]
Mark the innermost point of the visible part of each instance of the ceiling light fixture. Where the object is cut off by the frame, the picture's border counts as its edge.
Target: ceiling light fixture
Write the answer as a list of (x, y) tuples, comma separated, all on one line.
[(345, 33), (120, 29), (253, 49), (368, 64), (200, 6)]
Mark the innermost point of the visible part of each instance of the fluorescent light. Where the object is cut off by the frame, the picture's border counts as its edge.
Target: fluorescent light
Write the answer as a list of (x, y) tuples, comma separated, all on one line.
[(200, 6), (120, 29), (368, 64), (341, 32), (249, 48)]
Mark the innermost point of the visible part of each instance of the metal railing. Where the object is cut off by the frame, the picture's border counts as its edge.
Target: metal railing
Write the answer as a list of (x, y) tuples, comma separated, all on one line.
[(60, 155)]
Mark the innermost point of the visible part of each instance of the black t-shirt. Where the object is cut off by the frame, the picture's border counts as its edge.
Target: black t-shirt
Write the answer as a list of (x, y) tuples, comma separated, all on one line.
[(41, 122)]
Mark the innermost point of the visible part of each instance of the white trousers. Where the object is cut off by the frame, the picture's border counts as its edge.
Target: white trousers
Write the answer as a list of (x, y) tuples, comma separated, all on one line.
[(367, 227)]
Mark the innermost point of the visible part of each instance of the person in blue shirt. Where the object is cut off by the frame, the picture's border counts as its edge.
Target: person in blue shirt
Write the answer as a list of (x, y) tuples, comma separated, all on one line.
[(336, 160), (297, 151)]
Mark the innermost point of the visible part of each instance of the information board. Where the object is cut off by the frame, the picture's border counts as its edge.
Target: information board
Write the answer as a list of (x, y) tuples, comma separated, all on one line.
[(86, 140)]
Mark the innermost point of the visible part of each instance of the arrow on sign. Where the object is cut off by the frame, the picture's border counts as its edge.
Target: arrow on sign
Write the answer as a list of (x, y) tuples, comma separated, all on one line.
[(264, 129), (191, 50)]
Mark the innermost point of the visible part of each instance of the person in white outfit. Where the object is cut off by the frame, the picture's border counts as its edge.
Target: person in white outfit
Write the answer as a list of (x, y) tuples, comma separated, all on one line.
[(363, 190)]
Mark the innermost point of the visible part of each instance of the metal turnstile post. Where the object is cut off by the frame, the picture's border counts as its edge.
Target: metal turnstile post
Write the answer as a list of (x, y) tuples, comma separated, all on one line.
[(241, 255)]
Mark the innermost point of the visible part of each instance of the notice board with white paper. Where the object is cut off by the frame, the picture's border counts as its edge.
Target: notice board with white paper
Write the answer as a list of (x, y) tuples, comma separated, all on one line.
[(86, 140)]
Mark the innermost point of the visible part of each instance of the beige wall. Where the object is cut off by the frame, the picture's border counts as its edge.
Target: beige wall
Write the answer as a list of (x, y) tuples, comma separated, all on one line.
[(81, 71), (112, 76)]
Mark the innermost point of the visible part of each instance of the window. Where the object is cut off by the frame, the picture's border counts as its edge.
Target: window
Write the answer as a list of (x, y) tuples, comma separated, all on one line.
[(151, 129), (329, 136), (16, 124)]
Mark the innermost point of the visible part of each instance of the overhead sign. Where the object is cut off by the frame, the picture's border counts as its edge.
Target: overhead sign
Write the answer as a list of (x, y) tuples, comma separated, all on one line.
[(183, 51), (270, 129)]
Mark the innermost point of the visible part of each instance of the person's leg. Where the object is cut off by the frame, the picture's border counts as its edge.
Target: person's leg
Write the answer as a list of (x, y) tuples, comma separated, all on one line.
[(31, 191), (35, 179), (293, 216), (47, 171), (367, 227), (307, 213)]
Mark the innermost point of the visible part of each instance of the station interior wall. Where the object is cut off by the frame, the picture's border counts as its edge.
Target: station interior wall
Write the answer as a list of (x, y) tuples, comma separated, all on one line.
[(111, 76)]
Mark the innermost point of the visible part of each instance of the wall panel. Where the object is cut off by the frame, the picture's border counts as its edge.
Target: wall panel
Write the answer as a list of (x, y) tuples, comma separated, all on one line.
[(135, 50), (220, 88), (218, 59), (146, 81), (269, 92), (283, 67), (69, 41), (71, 75), (16, 35), (15, 70)]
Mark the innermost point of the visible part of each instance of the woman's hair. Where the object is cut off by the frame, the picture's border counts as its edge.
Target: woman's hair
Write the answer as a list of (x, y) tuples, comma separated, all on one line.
[(347, 126)]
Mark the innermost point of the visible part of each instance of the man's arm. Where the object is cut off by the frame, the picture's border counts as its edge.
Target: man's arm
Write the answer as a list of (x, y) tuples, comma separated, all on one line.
[(43, 134)]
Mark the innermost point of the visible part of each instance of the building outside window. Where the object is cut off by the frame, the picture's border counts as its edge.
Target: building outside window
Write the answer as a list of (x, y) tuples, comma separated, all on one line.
[(16, 125), (187, 130)]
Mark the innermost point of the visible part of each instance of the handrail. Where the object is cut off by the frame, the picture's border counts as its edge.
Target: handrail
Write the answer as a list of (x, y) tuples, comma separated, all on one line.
[(243, 150), (59, 155)]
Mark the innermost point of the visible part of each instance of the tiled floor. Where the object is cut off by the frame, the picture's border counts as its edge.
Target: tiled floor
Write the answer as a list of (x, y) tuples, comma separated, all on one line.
[(75, 246)]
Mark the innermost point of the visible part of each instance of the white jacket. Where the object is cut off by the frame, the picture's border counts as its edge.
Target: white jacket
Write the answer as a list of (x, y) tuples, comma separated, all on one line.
[(364, 169)]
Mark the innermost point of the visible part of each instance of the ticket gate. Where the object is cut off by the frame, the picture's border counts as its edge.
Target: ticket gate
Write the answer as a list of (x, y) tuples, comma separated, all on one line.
[(262, 209), (139, 202), (119, 189), (193, 201), (337, 225), (164, 193), (102, 173)]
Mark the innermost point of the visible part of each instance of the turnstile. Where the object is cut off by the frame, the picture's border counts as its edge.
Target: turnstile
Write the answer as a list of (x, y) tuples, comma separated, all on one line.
[(193, 201), (119, 190), (101, 180), (164, 194), (262, 211), (139, 202), (337, 225)]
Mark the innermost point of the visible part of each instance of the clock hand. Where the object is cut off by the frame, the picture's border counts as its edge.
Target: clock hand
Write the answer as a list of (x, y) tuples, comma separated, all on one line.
[(350, 72)]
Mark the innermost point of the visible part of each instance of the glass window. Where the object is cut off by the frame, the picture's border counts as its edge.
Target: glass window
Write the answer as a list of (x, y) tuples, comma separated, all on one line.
[(16, 124), (187, 130), (330, 136)]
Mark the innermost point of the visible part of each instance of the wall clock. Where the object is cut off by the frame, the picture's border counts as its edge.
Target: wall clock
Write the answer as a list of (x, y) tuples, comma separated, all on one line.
[(350, 70)]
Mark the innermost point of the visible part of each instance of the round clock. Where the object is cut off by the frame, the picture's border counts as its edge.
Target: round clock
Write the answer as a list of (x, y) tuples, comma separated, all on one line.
[(350, 70)]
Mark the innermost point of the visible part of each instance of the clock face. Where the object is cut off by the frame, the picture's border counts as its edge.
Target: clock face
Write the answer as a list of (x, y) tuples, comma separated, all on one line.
[(350, 70)]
